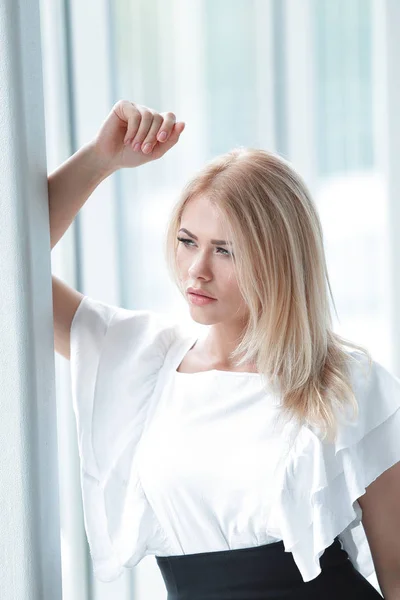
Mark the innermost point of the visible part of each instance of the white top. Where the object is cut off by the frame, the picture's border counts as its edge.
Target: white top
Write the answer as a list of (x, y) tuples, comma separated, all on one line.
[(177, 463)]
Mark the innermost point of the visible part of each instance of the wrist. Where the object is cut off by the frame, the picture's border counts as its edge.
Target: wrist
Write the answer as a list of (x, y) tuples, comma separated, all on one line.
[(100, 166)]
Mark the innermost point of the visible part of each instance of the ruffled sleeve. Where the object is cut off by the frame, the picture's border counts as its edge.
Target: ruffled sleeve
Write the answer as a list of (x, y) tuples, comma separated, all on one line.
[(321, 481), (116, 356)]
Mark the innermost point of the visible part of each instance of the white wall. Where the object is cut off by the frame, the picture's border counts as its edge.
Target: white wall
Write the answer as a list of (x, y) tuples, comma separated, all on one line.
[(29, 521)]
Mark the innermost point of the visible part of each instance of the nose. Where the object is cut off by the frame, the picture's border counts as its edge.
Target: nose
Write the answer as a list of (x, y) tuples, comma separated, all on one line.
[(200, 267)]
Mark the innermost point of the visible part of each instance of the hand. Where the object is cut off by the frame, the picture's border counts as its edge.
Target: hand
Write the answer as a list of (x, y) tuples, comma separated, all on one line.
[(135, 124)]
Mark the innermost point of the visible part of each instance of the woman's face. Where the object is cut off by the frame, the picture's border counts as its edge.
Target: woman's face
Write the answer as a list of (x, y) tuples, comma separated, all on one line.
[(208, 265)]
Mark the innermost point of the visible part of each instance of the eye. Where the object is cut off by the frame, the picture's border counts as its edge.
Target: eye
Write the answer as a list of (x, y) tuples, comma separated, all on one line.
[(187, 241)]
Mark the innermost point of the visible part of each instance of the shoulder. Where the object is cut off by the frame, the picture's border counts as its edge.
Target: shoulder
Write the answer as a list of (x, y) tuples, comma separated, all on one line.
[(322, 481), (377, 392), (97, 325), (367, 374), (148, 328), (116, 357)]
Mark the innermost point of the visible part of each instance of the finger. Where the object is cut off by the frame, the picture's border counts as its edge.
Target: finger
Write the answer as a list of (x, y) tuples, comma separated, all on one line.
[(144, 126), (151, 138), (167, 127), (133, 116), (172, 140), (159, 132)]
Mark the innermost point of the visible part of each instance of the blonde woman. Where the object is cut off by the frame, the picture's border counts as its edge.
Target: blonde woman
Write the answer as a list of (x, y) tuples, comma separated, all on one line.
[(261, 459)]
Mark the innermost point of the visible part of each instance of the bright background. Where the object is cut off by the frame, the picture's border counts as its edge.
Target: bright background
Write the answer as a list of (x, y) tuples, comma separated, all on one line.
[(305, 78)]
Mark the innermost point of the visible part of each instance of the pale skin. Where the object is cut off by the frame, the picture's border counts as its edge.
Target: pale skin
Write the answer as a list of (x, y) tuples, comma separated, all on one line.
[(381, 520), (209, 267), (206, 266)]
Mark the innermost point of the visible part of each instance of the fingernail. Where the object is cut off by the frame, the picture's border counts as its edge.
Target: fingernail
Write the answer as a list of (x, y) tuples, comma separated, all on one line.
[(147, 148), (136, 147), (162, 136)]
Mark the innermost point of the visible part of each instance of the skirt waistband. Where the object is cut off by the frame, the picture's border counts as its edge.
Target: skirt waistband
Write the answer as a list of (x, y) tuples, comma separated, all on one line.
[(249, 573)]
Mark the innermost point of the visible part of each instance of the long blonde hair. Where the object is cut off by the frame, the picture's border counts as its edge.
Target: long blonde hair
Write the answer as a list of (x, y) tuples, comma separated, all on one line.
[(281, 271)]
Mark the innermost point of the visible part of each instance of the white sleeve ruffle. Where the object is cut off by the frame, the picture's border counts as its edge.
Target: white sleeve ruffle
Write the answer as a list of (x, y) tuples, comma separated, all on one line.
[(321, 482), (116, 356)]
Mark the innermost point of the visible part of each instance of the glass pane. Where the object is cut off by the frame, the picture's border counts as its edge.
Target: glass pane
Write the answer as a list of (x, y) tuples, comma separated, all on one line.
[(349, 189)]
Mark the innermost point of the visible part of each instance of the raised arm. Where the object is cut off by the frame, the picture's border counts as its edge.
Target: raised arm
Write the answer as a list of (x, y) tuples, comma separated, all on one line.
[(74, 181), (70, 185)]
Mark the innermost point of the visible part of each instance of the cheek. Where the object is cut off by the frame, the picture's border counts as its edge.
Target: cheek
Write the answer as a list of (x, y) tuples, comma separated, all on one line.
[(230, 286), (235, 292), (180, 259)]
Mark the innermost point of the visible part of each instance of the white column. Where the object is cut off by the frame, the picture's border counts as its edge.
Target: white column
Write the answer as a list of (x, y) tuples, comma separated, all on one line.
[(300, 88), (386, 18), (58, 93), (266, 75), (29, 520)]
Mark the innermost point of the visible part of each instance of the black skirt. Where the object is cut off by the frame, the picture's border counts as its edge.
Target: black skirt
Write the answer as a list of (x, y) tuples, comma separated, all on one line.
[(264, 572)]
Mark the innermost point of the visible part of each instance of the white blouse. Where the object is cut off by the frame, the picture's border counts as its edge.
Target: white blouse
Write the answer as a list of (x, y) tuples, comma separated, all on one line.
[(178, 463)]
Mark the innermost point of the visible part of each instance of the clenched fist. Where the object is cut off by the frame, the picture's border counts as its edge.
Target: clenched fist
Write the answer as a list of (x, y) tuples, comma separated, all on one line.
[(133, 135)]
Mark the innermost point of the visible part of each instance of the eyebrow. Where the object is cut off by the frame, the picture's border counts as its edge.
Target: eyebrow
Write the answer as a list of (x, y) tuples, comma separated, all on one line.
[(217, 242)]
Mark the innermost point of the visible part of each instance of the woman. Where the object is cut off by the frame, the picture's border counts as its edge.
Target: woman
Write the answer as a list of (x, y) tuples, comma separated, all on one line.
[(231, 457)]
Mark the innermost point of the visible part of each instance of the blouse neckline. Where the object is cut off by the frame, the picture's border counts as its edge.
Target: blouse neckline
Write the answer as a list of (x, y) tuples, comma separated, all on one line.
[(182, 375)]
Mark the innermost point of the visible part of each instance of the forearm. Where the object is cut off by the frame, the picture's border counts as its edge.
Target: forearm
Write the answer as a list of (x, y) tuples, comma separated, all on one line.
[(69, 186), (389, 582)]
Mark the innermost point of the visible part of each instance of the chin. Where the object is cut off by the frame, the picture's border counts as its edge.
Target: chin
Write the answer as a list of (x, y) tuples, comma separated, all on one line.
[(201, 316), (202, 319)]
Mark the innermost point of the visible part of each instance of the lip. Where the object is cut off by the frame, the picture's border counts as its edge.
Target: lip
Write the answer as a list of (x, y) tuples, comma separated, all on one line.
[(198, 292)]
